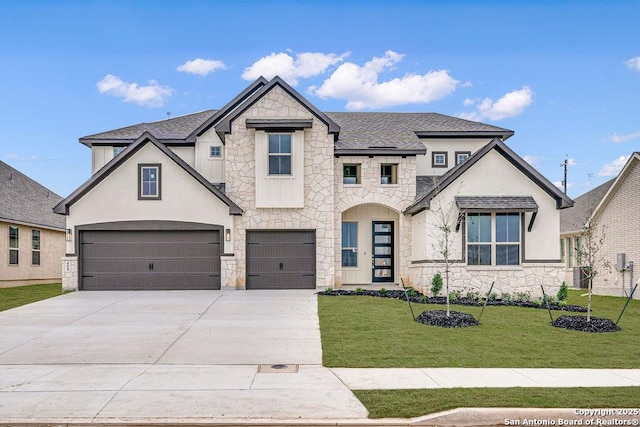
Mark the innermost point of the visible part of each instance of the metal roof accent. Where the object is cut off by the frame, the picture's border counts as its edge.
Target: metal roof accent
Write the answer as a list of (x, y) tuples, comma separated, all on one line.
[(274, 124), (497, 203), (25, 201)]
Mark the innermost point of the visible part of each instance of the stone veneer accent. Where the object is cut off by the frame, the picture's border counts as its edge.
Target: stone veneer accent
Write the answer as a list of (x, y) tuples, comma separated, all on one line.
[(70, 273), (318, 211), (227, 271), (393, 196)]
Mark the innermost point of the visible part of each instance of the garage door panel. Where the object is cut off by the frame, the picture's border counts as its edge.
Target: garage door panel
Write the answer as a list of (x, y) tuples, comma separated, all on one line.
[(150, 259), (281, 259)]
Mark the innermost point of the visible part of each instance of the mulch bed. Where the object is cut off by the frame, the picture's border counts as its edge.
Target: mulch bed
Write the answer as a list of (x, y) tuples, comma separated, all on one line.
[(579, 323), (455, 319)]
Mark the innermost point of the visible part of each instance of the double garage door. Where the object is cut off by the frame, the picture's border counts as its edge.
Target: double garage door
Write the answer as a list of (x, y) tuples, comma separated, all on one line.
[(150, 259), (190, 259)]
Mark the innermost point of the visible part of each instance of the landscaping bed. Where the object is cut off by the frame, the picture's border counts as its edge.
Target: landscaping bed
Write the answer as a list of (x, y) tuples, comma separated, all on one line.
[(579, 323)]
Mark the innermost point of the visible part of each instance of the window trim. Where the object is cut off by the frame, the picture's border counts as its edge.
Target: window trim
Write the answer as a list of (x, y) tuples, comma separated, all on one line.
[(158, 167), (279, 154), (358, 167), (394, 174), (33, 249), (16, 248), (458, 153), (439, 165), (354, 249), (494, 243)]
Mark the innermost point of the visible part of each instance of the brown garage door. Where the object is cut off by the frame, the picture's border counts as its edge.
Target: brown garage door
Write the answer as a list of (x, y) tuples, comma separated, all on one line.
[(281, 259), (149, 259)]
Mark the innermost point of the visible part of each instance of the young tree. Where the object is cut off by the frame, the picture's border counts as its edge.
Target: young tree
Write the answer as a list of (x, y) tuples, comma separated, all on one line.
[(589, 253)]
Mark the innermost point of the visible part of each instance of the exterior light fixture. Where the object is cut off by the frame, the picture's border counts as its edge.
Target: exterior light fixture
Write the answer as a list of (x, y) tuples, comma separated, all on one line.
[(68, 234), (227, 235)]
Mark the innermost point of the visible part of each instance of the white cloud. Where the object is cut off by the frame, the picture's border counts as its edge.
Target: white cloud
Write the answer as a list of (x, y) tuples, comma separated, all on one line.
[(468, 102), (634, 63), (11, 156), (306, 64), (152, 95), (360, 87), (560, 186), (533, 160), (201, 67), (620, 139), (510, 105), (613, 168), (571, 162)]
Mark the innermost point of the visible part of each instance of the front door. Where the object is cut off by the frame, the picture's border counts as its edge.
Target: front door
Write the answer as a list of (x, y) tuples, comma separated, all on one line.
[(382, 260)]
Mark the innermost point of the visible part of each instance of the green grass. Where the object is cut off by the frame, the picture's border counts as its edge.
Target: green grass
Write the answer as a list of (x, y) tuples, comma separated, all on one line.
[(21, 295), (415, 403), (369, 332)]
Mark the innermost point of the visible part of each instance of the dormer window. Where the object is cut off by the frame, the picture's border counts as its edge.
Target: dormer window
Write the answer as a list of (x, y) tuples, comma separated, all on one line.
[(439, 159), (461, 156), (279, 154)]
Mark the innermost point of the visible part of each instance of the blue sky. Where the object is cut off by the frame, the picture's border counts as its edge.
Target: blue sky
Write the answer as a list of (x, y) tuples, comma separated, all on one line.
[(564, 75)]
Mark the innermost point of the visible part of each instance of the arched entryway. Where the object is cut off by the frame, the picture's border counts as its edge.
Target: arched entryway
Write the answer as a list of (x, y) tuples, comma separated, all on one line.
[(369, 238)]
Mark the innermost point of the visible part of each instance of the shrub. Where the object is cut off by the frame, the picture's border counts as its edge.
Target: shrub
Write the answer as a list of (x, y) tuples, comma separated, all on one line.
[(493, 296), (383, 291), (329, 290), (436, 284), (563, 292), (523, 296), (359, 290), (454, 295), (473, 295), (505, 296), (423, 298)]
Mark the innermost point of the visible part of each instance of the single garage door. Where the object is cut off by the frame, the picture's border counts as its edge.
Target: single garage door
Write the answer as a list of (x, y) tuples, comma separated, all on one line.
[(281, 259), (150, 260)]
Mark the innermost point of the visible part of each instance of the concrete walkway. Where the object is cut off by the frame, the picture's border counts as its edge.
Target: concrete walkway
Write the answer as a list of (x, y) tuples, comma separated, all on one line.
[(212, 357)]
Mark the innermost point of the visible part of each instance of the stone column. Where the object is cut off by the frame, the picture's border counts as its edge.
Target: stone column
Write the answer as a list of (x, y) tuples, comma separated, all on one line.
[(69, 273)]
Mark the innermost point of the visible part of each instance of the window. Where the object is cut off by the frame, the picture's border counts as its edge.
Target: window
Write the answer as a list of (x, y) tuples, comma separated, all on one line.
[(13, 245), (570, 251), (215, 151), (562, 258), (351, 174), (149, 182), (461, 156), (35, 247), (579, 250), (117, 150), (349, 244), (439, 159), (493, 239), (279, 154), (389, 174)]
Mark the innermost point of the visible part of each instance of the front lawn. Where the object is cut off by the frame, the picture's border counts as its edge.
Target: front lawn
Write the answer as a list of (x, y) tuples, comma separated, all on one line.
[(369, 332), (21, 295)]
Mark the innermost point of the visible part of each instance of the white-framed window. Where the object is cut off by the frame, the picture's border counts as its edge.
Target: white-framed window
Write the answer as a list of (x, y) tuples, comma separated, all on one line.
[(349, 244), (461, 156), (117, 150), (493, 239), (35, 247), (149, 182), (562, 256), (388, 174), (279, 154), (351, 174), (14, 245), (439, 159), (570, 251), (215, 151)]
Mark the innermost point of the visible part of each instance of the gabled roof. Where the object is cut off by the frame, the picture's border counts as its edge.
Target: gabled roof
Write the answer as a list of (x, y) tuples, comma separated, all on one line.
[(23, 200), (224, 126), (145, 138), (368, 132), (430, 191), (592, 202)]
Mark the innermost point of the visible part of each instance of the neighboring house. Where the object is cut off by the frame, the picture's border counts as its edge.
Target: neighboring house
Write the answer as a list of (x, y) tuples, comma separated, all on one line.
[(31, 235), (615, 206), (269, 192)]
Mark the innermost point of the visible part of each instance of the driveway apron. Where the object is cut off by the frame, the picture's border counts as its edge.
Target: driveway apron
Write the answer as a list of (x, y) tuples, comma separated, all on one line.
[(164, 356)]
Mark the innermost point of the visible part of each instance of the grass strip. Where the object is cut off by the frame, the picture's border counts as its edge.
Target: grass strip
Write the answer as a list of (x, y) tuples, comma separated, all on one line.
[(415, 403), (22, 295), (369, 332)]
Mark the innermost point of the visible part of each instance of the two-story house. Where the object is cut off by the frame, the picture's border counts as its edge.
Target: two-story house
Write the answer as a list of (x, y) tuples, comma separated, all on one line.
[(269, 192)]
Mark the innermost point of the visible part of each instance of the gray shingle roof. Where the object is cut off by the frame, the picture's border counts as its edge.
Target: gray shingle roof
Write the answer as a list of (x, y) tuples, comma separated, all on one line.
[(177, 128), (573, 219), (25, 201), (363, 130), (496, 203)]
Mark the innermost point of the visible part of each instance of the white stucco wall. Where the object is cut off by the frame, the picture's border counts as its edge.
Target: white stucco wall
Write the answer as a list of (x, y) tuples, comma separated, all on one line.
[(423, 163), (116, 198)]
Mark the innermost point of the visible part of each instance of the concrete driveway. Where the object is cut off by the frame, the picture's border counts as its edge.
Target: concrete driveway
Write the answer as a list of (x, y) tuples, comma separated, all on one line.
[(168, 356)]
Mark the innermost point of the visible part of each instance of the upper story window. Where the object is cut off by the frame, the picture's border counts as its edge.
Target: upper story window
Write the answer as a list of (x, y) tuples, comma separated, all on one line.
[(149, 182), (35, 247), (351, 174), (14, 244), (117, 150), (461, 156), (493, 239), (279, 154), (215, 151), (388, 174), (439, 159)]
